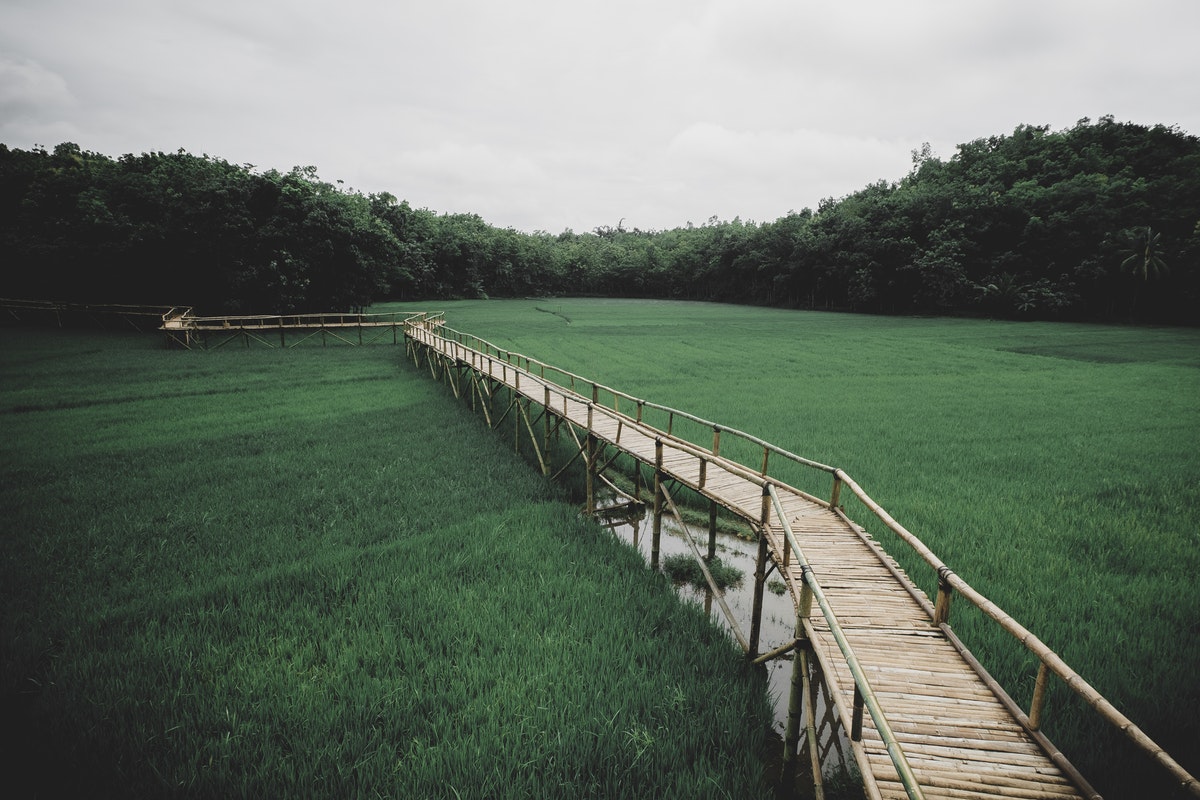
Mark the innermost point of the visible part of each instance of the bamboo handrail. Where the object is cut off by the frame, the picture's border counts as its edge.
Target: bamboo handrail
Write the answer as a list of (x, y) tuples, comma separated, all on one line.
[(641, 403), (1033, 644), (862, 686), (947, 578)]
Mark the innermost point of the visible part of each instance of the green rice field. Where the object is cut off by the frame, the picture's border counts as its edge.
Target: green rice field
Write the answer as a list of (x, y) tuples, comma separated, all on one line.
[(1053, 466), (304, 573), (311, 572)]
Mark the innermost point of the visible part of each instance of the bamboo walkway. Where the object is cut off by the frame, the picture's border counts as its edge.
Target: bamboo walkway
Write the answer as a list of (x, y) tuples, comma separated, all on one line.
[(184, 329), (937, 725)]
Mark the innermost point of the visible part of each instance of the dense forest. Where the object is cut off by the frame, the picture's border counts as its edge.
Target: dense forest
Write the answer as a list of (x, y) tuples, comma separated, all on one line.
[(1099, 221)]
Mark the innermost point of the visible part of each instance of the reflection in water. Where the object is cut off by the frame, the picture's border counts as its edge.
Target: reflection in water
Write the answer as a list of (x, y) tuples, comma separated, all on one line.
[(777, 627)]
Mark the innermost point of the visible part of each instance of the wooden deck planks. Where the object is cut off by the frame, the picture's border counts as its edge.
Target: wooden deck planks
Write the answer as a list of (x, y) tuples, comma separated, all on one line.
[(959, 738)]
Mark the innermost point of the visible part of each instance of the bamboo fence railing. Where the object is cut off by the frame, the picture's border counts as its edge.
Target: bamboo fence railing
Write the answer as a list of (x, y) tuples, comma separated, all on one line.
[(473, 348), (184, 328)]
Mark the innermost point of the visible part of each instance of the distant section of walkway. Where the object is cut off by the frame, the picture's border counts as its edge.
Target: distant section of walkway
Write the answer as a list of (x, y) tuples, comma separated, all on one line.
[(926, 719), (186, 330)]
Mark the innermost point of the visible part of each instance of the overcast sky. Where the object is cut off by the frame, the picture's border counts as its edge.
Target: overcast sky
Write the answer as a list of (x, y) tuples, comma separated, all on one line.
[(554, 114)]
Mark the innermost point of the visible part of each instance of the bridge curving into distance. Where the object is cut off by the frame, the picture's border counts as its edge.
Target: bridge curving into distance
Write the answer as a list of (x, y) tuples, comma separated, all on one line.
[(926, 720)]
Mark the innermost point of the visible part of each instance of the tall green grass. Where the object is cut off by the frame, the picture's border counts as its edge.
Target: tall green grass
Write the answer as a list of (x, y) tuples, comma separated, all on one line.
[(306, 574), (1053, 466)]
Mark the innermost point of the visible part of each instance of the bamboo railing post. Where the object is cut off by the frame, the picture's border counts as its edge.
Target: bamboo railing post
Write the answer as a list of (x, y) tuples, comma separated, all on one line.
[(640, 403), (658, 503), (1039, 696), (716, 448), (837, 491), (941, 611)]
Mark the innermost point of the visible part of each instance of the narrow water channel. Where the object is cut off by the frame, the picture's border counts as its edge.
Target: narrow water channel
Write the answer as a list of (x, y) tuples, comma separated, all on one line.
[(778, 621)]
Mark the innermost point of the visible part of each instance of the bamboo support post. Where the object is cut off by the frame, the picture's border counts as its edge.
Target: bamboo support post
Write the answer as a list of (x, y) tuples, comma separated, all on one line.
[(791, 736), (543, 461), (760, 577), (516, 402), (656, 533), (712, 530), (857, 719), (590, 459), (546, 434), (810, 712)]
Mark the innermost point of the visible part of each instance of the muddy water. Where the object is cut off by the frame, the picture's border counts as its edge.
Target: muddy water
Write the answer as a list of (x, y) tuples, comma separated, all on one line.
[(778, 621)]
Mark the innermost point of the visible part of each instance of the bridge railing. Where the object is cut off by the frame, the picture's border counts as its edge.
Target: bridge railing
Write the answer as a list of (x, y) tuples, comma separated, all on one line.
[(864, 694), (1049, 661), (536, 372), (754, 454), (609, 399), (274, 321)]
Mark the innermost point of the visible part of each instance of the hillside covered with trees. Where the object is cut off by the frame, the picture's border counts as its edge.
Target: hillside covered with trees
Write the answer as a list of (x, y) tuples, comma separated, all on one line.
[(1100, 221)]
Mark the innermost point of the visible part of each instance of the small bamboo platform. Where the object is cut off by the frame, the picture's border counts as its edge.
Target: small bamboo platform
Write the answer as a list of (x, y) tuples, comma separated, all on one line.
[(184, 329), (936, 724)]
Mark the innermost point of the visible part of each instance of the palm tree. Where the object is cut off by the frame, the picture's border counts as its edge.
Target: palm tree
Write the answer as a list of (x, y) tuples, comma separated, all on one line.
[(1144, 259), (1143, 256)]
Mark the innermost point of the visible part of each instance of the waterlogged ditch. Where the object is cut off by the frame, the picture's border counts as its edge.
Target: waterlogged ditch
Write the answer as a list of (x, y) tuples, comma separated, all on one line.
[(777, 625)]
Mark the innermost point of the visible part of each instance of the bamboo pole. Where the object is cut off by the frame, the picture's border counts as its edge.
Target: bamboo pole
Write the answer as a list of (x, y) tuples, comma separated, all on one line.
[(546, 434), (760, 575), (810, 711), (1039, 697), (941, 611), (791, 736), (712, 530), (590, 458), (712, 583), (656, 533)]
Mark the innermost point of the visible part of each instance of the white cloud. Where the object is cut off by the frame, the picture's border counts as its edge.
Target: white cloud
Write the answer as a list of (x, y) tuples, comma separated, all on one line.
[(543, 114), (26, 85)]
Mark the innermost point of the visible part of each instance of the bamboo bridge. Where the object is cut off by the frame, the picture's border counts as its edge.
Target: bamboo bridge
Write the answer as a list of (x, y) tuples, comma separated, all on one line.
[(185, 329), (926, 720)]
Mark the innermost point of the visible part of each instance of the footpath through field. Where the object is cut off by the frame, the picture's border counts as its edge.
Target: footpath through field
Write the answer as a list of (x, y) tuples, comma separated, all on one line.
[(938, 726)]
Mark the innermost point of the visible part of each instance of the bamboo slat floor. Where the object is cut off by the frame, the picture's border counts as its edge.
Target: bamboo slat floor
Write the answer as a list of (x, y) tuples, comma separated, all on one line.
[(960, 740)]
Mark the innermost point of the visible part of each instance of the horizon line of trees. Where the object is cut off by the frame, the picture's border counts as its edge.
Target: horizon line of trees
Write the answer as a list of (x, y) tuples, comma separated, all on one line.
[(1100, 221)]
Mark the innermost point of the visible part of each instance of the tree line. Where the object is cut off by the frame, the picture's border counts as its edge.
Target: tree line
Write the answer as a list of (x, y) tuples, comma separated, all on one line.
[(1099, 221)]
